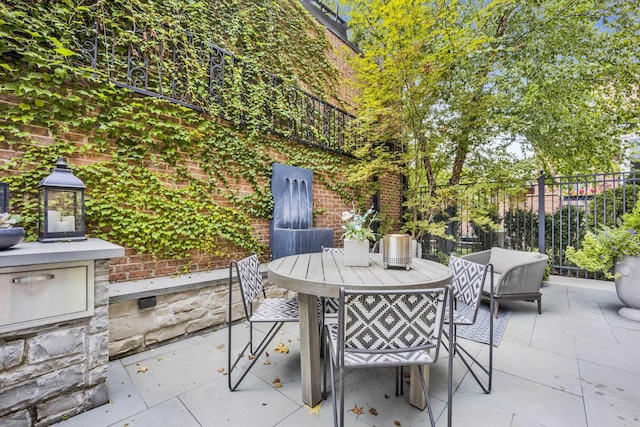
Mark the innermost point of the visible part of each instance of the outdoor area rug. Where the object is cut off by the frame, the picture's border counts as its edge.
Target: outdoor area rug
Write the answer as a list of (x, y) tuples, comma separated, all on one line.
[(480, 330)]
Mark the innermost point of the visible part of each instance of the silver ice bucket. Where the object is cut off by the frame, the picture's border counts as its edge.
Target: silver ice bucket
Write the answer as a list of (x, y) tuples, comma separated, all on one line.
[(396, 250)]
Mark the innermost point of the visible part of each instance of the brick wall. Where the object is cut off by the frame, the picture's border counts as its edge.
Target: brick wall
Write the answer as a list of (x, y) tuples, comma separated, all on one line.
[(391, 199), (135, 266)]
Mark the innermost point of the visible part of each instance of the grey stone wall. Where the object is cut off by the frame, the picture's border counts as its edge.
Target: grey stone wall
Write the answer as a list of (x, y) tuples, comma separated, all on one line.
[(175, 316), (55, 371)]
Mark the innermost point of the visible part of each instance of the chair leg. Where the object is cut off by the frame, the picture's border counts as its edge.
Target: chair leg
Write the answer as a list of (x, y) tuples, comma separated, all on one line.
[(451, 337), (255, 354), (463, 354), (399, 381), (426, 395), (460, 351), (326, 363), (330, 364), (340, 409), (539, 305)]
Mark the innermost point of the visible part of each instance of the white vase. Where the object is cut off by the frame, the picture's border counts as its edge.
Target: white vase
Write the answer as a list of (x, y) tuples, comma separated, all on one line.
[(356, 253), (628, 286)]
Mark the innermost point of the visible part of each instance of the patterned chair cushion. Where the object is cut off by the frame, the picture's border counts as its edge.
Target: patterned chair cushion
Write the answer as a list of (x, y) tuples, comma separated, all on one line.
[(389, 321), (276, 310), (354, 358), (468, 279), (252, 287), (250, 278)]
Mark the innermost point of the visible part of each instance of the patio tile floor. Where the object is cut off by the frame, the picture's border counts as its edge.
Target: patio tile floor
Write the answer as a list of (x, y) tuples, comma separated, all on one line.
[(577, 364)]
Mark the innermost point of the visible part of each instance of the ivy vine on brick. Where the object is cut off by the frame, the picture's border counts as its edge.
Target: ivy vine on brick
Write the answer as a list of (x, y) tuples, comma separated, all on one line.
[(137, 154)]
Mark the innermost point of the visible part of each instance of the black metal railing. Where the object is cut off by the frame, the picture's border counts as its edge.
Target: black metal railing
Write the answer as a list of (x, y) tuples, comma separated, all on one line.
[(218, 82)]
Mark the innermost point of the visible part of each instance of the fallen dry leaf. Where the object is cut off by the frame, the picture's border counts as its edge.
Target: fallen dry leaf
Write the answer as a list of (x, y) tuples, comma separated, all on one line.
[(142, 369), (373, 412), (277, 383), (221, 370), (397, 423), (356, 410), (281, 348), (251, 357), (315, 410), (267, 362)]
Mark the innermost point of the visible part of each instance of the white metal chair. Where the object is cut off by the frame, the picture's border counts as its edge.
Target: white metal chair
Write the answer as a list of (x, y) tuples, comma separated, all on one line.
[(386, 329), (468, 281), (270, 310)]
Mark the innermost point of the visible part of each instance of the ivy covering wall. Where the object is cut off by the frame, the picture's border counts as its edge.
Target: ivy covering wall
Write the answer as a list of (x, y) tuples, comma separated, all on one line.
[(162, 179)]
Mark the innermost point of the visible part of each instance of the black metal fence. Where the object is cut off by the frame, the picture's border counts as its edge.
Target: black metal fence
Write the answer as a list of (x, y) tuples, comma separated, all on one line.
[(546, 216), (217, 82)]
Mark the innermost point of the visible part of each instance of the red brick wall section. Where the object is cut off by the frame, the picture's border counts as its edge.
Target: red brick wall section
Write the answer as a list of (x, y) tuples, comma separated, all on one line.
[(391, 199), (340, 55), (327, 203)]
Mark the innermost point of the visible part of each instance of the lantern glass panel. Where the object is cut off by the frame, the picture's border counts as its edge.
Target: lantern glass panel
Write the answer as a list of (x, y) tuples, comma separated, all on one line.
[(63, 211)]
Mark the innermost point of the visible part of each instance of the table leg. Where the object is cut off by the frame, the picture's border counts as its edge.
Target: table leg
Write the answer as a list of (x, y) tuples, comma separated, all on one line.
[(310, 350), (416, 396)]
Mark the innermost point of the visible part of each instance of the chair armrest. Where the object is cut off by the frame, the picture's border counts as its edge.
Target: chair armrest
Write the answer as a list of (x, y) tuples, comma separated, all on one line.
[(522, 278), (481, 257)]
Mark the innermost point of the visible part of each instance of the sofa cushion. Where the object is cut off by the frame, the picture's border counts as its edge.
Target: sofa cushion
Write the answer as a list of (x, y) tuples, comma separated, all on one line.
[(487, 283), (504, 259)]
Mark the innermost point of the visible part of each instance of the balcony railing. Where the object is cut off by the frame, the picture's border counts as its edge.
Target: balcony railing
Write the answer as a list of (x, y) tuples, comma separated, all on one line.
[(217, 82)]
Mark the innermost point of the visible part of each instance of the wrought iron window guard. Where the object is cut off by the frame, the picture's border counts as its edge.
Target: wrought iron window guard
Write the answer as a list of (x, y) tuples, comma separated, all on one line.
[(158, 70)]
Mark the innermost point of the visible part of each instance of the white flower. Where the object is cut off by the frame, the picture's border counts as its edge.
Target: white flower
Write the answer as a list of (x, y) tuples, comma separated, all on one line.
[(357, 226)]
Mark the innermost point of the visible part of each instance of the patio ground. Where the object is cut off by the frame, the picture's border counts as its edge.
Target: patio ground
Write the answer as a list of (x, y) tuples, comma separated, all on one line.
[(577, 364)]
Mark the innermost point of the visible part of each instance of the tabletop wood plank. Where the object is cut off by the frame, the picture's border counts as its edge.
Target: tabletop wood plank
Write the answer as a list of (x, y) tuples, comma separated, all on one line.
[(323, 274), (330, 268)]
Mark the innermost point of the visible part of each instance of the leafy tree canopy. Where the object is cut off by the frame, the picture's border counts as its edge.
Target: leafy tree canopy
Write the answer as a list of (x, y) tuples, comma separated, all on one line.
[(456, 82)]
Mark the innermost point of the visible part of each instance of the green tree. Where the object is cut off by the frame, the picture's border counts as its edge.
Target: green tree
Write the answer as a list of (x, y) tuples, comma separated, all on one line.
[(453, 83)]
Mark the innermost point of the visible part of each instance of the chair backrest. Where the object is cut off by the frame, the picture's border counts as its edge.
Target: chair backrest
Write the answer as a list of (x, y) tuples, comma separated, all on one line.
[(391, 321), (249, 279), (332, 250), (468, 279), (504, 260)]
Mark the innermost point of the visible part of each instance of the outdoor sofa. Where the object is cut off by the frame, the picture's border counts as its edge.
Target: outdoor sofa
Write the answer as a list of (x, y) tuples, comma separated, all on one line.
[(518, 275)]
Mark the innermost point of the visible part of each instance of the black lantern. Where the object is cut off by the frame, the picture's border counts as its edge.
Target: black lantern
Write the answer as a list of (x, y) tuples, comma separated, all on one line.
[(4, 197), (61, 206)]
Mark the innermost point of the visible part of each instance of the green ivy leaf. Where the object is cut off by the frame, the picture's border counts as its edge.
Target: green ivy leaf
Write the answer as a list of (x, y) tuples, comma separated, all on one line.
[(64, 51)]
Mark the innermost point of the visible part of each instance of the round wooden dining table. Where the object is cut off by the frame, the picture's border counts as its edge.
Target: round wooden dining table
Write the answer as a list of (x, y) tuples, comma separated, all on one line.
[(322, 274)]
